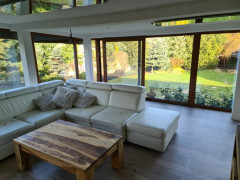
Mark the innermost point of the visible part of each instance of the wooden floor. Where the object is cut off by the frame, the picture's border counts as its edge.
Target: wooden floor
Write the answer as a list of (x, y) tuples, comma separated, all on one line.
[(201, 150)]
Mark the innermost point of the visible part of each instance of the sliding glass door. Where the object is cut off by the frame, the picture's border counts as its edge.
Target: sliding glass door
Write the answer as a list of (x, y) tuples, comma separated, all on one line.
[(123, 61), (167, 67), (196, 69), (217, 68)]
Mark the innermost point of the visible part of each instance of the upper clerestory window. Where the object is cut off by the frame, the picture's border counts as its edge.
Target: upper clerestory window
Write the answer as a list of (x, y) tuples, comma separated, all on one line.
[(40, 6), (194, 20)]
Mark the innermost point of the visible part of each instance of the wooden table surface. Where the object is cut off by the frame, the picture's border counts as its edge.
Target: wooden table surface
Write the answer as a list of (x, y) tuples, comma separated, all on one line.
[(70, 146)]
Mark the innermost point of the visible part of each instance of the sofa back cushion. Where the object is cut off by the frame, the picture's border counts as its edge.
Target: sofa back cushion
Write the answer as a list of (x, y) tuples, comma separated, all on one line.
[(127, 100), (50, 84), (101, 91), (129, 88), (2, 96), (102, 96), (80, 84), (50, 87), (49, 91), (17, 105)]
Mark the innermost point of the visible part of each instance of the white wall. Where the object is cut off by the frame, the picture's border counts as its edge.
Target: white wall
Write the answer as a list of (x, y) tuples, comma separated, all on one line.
[(27, 56)]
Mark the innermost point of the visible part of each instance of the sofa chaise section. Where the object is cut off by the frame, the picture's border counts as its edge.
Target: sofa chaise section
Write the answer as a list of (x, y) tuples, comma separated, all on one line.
[(40, 118), (17, 101), (112, 120), (153, 128), (19, 114), (10, 129)]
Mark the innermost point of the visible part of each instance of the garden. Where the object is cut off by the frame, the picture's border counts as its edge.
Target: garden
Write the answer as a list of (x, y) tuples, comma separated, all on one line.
[(168, 64)]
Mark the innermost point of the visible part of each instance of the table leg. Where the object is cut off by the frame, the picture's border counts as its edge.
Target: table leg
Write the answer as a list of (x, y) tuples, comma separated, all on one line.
[(85, 175), (117, 156), (23, 159)]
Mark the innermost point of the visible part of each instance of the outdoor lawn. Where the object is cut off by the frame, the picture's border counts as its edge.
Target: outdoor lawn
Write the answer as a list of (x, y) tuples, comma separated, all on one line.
[(211, 78), (214, 87)]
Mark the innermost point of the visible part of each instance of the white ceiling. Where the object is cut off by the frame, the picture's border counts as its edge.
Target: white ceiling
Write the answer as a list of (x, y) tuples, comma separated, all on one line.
[(116, 16)]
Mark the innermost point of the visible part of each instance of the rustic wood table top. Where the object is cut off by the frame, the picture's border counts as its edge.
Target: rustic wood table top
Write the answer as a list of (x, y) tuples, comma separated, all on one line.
[(70, 146)]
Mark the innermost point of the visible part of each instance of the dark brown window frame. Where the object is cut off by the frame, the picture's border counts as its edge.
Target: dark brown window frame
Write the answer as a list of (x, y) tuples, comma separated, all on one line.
[(75, 42), (194, 64)]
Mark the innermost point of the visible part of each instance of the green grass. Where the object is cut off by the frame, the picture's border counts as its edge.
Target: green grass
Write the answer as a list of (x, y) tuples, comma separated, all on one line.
[(213, 81), (205, 78)]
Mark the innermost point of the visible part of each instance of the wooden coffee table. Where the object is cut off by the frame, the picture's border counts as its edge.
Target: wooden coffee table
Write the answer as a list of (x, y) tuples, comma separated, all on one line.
[(73, 147)]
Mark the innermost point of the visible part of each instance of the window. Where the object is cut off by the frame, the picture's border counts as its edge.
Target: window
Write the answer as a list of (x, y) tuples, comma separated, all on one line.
[(123, 61), (11, 70), (40, 6), (174, 23), (10, 8), (198, 69), (55, 57), (167, 67), (81, 60), (194, 20), (217, 69), (94, 59), (222, 18)]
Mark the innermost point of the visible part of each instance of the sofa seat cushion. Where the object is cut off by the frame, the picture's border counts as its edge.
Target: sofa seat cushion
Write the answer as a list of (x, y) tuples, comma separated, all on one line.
[(83, 115), (154, 122), (13, 128), (114, 118), (40, 118)]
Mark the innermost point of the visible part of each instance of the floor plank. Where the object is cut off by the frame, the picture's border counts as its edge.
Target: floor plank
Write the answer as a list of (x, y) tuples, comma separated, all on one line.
[(201, 150)]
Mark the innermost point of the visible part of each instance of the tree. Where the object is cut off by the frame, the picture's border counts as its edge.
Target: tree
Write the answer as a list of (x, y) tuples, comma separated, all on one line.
[(231, 45), (210, 50), (10, 62), (156, 54)]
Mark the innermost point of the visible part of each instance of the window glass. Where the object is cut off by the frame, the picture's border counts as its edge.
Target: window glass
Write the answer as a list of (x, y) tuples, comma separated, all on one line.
[(94, 60), (10, 8), (122, 62), (11, 70), (192, 21), (40, 6), (55, 57), (167, 67), (223, 18), (217, 69), (81, 61), (175, 23)]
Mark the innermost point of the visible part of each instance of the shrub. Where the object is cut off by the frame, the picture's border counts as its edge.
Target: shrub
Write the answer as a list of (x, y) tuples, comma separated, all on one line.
[(82, 75), (176, 63), (224, 100), (171, 94)]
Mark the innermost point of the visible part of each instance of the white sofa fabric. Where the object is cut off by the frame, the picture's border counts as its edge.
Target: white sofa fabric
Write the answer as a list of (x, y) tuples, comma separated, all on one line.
[(153, 127), (19, 115), (113, 111)]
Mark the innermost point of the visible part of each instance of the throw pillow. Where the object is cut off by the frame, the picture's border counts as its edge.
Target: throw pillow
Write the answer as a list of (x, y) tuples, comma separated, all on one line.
[(64, 97), (45, 102), (84, 100)]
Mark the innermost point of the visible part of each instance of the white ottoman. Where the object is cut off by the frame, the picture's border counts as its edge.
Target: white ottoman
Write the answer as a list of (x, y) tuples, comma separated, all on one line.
[(153, 128)]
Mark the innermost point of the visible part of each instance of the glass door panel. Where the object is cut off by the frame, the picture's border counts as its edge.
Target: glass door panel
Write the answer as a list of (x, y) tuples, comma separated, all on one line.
[(167, 67), (123, 61), (217, 68)]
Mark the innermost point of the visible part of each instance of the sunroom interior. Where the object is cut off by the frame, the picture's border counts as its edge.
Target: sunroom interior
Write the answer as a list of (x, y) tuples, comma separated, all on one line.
[(186, 53)]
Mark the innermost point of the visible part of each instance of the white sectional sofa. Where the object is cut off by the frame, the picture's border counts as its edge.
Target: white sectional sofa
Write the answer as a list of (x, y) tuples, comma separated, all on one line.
[(19, 114), (116, 106)]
